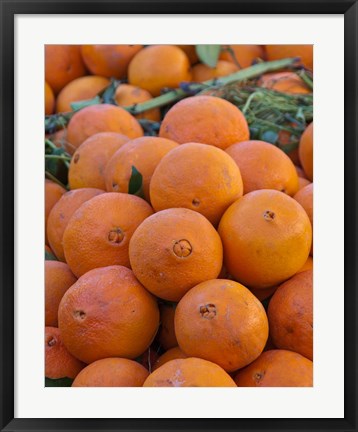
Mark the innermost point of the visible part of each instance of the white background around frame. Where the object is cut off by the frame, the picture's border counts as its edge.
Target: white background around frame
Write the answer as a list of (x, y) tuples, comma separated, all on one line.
[(325, 399)]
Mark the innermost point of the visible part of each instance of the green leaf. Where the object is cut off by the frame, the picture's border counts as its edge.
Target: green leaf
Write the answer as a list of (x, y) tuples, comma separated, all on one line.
[(208, 54), (61, 382), (49, 256), (76, 106), (270, 136), (135, 182)]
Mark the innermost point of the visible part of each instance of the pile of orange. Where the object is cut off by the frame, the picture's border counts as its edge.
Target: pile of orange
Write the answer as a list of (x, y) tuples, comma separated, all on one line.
[(180, 259)]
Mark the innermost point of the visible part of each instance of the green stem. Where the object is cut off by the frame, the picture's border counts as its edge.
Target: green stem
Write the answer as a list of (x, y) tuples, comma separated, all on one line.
[(242, 75), (249, 100), (50, 144), (306, 79), (64, 158), (54, 179), (177, 94)]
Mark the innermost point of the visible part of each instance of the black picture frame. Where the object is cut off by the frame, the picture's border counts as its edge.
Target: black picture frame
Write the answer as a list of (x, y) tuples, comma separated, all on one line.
[(8, 10)]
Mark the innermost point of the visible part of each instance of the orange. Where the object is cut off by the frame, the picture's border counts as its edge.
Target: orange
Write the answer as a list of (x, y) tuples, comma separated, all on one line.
[(101, 118), (305, 151), (190, 51), (290, 314), (263, 294), (109, 60), (266, 236), (198, 177), (172, 354), (63, 63), (285, 82), (202, 72), (173, 250), (107, 313), (308, 265), (53, 193), (61, 213), (166, 333), (49, 100), (59, 363), (304, 52), (157, 67), (82, 88), (90, 160), (264, 166), (207, 120), (300, 172), (221, 321), (99, 231), (305, 197), (127, 95), (277, 368), (112, 372), (144, 154), (58, 278), (190, 372), (245, 54), (302, 182)]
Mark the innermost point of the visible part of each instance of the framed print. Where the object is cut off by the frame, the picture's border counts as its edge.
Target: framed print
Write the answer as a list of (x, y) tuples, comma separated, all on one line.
[(181, 248)]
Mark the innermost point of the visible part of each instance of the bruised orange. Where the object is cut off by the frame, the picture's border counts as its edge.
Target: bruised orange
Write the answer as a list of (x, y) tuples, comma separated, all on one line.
[(107, 313), (173, 250), (190, 372), (191, 120), (99, 231), (221, 321), (112, 372)]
